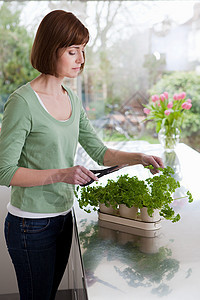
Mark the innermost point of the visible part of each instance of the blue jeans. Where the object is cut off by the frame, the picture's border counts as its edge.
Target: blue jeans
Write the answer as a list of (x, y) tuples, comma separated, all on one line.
[(39, 249)]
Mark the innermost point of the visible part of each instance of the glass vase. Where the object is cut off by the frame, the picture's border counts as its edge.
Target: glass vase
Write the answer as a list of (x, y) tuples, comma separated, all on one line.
[(169, 138)]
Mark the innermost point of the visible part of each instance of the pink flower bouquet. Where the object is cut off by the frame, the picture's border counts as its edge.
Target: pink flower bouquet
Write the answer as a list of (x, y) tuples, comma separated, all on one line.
[(168, 113)]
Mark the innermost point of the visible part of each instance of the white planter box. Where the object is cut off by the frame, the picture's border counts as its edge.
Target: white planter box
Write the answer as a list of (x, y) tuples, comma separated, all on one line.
[(126, 212), (107, 210), (146, 218), (138, 224)]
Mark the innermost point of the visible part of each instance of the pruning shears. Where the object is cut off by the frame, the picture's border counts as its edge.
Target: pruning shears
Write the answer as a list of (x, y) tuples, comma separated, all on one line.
[(104, 172)]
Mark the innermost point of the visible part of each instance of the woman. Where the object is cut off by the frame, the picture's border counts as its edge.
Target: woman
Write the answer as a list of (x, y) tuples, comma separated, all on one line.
[(43, 122)]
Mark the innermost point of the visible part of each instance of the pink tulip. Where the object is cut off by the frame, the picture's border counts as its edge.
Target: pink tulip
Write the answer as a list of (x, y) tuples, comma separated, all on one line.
[(162, 97), (167, 112), (170, 105), (186, 105), (182, 95), (166, 95), (175, 97), (189, 100), (155, 98), (147, 111)]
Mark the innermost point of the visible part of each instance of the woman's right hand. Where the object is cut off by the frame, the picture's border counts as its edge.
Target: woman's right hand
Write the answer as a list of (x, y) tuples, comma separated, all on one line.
[(25, 177), (77, 175)]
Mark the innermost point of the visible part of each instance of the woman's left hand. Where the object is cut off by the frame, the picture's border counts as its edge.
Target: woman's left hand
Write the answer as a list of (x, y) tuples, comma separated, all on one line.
[(155, 161)]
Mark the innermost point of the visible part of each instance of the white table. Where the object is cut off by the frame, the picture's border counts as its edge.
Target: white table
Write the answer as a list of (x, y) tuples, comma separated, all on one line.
[(132, 265)]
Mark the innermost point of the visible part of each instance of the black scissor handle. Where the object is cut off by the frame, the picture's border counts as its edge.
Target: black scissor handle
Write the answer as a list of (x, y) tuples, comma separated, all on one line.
[(89, 182), (101, 173), (105, 171)]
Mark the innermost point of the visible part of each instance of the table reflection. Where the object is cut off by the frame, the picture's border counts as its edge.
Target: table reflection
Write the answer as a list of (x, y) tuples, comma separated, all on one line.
[(138, 259)]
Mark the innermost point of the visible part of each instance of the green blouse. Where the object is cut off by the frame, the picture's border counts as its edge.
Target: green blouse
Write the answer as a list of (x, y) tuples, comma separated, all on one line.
[(31, 138)]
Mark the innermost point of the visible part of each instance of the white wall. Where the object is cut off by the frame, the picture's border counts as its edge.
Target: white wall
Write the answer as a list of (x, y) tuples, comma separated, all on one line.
[(8, 283), (175, 46)]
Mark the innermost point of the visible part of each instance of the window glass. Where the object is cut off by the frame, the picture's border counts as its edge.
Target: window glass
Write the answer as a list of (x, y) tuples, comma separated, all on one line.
[(136, 49)]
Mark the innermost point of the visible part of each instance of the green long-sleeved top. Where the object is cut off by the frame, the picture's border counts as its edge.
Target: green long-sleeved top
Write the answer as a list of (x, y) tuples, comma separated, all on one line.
[(31, 138)]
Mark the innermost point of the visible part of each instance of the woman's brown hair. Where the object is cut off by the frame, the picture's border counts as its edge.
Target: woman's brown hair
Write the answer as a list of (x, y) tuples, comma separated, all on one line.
[(58, 29)]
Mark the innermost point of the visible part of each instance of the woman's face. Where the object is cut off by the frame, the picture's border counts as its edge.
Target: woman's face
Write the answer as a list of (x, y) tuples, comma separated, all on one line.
[(70, 60)]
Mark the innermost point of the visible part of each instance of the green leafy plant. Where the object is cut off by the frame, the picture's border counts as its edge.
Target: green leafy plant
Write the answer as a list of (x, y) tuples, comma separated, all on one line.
[(161, 190), (94, 195), (154, 193)]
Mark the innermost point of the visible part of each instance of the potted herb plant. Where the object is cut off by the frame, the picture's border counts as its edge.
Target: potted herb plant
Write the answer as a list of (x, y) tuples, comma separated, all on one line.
[(153, 193), (98, 196), (130, 195)]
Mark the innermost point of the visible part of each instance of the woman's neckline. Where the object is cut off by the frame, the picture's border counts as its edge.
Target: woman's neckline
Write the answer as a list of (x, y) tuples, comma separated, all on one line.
[(42, 104), (69, 120)]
